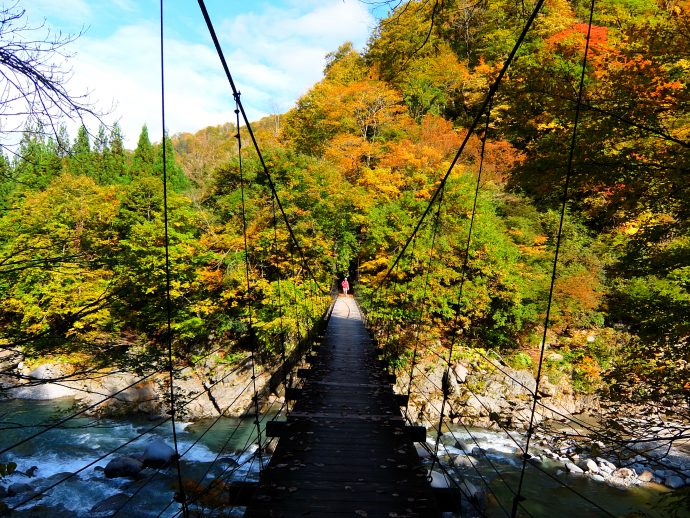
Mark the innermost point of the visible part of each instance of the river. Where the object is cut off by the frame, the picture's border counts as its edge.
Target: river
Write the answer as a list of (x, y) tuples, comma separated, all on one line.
[(82, 441), (548, 490), (207, 454)]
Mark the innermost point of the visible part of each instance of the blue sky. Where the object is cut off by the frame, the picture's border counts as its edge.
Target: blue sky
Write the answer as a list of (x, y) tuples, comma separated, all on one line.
[(275, 50)]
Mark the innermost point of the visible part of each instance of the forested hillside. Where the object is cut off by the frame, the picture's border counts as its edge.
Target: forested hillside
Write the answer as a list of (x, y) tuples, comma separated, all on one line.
[(355, 163)]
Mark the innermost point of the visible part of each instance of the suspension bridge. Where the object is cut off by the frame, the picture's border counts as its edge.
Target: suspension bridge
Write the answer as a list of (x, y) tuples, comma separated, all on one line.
[(343, 442)]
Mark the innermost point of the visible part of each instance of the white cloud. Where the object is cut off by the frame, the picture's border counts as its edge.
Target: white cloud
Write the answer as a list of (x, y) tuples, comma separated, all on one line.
[(293, 44), (274, 55), (66, 10), (125, 69)]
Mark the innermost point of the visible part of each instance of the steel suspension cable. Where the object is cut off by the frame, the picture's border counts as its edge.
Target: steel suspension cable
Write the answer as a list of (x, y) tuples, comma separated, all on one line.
[(463, 277), (509, 434), (628, 122), (283, 345), (75, 415), (434, 234), (180, 497), (520, 448), (118, 448), (269, 178), (554, 268), (254, 342), (475, 122)]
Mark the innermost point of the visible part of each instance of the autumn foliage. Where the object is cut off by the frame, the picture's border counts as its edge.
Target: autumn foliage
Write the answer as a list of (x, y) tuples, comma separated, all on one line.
[(356, 162)]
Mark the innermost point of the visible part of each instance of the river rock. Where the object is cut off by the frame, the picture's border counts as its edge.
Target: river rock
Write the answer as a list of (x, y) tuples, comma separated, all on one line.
[(645, 476), (111, 505), (598, 478), (606, 465), (462, 445), (158, 455), (637, 468), (48, 390), (674, 482), (422, 452), (623, 473), (547, 389), (18, 488), (591, 466), (649, 449), (572, 468), (551, 455), (464, 461), (460, 372), (270, 446), (481, 406), (126, 467), (439, 480), (56, 478), (521, 383), (472, 491), (606, 470)]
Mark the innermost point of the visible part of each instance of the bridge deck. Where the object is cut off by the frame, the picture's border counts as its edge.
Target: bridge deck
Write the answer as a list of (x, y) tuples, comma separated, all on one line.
[(344, 451)]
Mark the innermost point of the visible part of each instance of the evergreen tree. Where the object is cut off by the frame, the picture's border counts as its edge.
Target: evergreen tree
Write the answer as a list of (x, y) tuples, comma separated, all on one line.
[(115, 169), (101, 143), (6, 182), (176, 178), (100, 157), (36, 163), (62, 146), (82, 144), (142, 161), (81, 156)]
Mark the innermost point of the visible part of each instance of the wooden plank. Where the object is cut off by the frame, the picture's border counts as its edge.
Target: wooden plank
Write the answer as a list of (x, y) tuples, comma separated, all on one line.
[(241, 493), (304, 373), (293, 393), (275, 428), (448, 499), (416, 433)]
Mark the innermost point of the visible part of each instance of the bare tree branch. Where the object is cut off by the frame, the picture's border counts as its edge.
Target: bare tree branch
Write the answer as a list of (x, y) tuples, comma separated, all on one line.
[(35, 76)]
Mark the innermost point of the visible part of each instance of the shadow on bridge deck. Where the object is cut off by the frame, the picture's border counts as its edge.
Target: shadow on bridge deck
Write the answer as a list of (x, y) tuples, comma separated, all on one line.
[(344, 450)]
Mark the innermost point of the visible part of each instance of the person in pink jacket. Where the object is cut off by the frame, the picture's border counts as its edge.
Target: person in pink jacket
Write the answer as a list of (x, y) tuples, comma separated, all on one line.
[(345, 285)]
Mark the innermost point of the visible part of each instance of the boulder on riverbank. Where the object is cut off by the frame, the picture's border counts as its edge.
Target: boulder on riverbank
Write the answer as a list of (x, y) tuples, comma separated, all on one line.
[(158, 455), (59, 388), (124, 467)]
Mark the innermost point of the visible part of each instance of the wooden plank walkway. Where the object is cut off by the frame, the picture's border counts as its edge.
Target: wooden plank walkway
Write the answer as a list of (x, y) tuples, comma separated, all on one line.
[(344, 450)]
